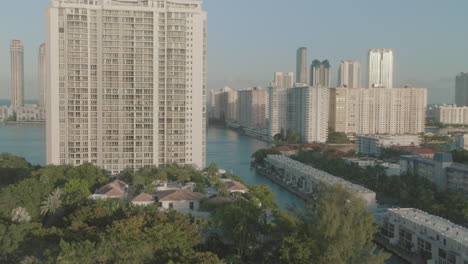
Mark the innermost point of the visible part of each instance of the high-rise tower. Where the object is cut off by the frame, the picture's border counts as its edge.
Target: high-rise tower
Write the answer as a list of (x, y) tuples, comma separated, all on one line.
[(380, 68), (42, 75), (301, 66), (461, 89), (17, 73), (126, 83), (320, 74), (349, 74)]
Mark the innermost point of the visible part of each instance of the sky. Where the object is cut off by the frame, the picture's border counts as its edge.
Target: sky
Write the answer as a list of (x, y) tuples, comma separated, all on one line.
[(248, 40)]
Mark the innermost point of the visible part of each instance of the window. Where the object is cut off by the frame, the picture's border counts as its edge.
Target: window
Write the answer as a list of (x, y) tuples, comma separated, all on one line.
[(171, 205), (192, 206)]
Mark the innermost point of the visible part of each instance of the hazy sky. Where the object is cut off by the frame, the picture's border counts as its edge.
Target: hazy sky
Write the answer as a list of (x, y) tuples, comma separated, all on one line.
[(248, 40)]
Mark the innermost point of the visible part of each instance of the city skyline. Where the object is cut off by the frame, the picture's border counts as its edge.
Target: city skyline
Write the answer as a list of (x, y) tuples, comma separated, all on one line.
[(411, 42)]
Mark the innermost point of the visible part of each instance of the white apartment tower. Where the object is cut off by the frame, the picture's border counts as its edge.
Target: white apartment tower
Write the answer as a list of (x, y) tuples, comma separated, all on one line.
[(17, 73), (320, 74), (126, 83), (349, 74), (42, 75), (303, 110), (283, 80), (461, 89), (380, 68), (301, 65)]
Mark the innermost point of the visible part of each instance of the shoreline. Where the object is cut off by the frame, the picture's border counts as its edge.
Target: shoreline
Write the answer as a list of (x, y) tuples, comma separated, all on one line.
[(23, 123)]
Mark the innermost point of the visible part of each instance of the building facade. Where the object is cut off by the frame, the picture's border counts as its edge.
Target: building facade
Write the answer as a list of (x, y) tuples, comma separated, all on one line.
[(461, 89), (349, 74), (441, 170), (372, 145), (432, 238), (451, 114), (224, 105), (301, 65), (367, 111), (17, 73), (320, 73), (42, 71), (302, 110), (252, 107), (283, 80), (461, 141), (380, 68), (126, 83)]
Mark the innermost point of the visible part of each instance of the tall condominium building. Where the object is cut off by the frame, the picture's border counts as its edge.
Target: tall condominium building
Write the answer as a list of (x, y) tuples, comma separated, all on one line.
[(126, 83), (42, 75), (451, 114), (224, 105), (283, 80), (461, 89), (367, 111), (380, 68), (252, 107), (301, 65), (320, 73), (349, 74), (302, 110), (17, 73)]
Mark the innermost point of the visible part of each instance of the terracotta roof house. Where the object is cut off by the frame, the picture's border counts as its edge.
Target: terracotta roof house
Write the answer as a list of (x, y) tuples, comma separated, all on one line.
[(143, 199), (180, 200), (114, 190), (234, 186)]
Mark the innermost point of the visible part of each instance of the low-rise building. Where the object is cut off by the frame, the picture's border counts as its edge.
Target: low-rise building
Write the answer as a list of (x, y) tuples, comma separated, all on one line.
[(180, 200), (441, 170), (6, 113), (30, 113), (114, 190), (432, 238), (372, 145), (451, 114), (143, 199), (235, 186), (305, 178)]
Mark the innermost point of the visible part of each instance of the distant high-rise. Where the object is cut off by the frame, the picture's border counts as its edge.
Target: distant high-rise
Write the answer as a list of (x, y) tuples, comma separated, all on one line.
[(349, 74), (380, 68), (301, 66), (283, 80), (320, 73), (126, 83), (17, 73), (461, 89), (42, 75)]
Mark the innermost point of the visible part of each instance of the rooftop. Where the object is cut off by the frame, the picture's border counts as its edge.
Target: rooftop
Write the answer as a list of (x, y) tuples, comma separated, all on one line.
[(143, 197), (319, 174), (438, 224), (179, 195)]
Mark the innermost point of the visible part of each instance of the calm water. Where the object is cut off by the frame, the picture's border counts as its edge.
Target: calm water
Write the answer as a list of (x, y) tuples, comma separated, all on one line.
[(230, 150)]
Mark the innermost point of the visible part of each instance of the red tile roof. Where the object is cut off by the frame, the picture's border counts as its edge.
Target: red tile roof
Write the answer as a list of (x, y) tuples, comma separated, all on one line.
[(115, 188), (421, 151), (179, 195), (236, 186), (143, 197), (284, 148)]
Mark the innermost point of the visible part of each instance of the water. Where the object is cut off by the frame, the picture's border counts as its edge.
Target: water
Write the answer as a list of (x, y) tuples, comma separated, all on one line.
[(230, 150)]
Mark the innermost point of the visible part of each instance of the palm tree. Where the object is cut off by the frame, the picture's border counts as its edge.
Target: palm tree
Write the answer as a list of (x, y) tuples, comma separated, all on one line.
[(52, 203)]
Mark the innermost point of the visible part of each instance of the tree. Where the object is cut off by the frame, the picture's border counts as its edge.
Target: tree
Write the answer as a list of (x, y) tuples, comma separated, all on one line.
[(212, 170), (52, 203), (337, 138), (13, 169), (261, 154), (264, 194), (20, 214), (75, 192)]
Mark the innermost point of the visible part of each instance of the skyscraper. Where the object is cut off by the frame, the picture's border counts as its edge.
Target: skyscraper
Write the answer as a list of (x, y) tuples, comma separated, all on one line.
[(349, 74), (42, 75), (320, 74), (283, 80), (17, 73), (380, 68), (461, 89), (301, 65), (126, 83)]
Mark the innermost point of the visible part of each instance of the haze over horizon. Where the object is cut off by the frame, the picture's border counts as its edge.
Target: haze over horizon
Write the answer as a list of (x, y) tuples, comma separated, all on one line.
[(249, 40)]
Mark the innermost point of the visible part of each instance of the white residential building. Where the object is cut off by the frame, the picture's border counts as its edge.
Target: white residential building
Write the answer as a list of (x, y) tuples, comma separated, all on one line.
[(283, 80), (28, 113), (252, 107), (372, 145), (42, 73), (380, 68), (224, 105), (301, 65), (461, 89), (305, 178), (349, 74), (367, 111), (451, 114), (17, 73), (302, 110), (180, 200), (6, 113), (434, 239), (126, 83), (461, 141)]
